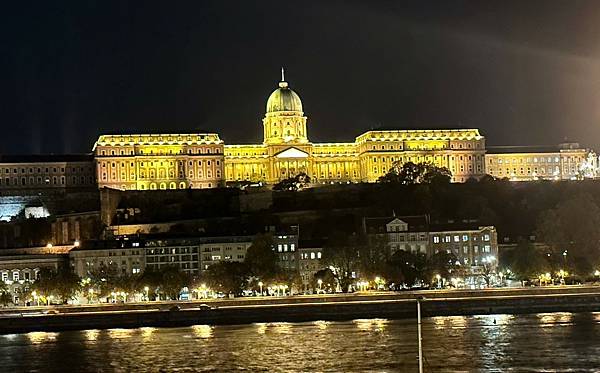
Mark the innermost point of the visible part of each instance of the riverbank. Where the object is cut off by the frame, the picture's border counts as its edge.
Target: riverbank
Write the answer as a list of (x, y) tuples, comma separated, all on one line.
[(303, 308)]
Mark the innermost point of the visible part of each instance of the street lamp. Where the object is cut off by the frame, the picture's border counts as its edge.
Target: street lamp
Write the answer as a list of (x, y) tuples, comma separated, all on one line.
[(260, 283)]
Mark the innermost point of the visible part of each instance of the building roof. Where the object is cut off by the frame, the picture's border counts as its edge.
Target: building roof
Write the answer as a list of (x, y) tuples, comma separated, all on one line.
[(416, 223), (455, 226), (522, 149)]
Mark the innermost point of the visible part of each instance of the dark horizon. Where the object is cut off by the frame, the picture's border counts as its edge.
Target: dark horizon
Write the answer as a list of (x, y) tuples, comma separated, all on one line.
[(524, 73)]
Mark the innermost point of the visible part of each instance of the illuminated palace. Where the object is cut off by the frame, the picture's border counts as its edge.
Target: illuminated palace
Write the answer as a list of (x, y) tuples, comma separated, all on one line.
[(181, 161), (286, 149)]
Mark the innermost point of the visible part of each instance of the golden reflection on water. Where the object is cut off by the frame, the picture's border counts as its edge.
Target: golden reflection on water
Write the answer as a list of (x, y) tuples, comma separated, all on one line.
[(371, 324), (147, 332), (203, 331), (92, 334), (322, 325), (120, 333), (262, 328), (548, 319), (455, 322), (282, 327), (40, 337)]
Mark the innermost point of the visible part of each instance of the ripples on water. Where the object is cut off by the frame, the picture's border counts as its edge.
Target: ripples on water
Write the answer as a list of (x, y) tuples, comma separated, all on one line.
[(498, 343)]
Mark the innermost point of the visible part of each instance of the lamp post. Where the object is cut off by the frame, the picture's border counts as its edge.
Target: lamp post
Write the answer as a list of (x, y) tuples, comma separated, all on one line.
[(419, 335), (260, 284), (146, 289), (320, 282), (438, 277)]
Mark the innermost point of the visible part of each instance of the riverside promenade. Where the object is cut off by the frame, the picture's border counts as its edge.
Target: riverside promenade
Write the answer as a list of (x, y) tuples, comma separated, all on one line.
[(338, 307)]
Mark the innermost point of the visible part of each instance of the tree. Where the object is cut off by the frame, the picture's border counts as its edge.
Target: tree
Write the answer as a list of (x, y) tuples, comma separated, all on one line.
[(293, 183), (571, 230), (527, 261), (62, 283), (5, 298), (104, 280), (261, 259), (172, 280), (152, 279), (227, 277), (410, 173), (440, 263), (405, 267), (328, 280), (341, 252), (373, 253)]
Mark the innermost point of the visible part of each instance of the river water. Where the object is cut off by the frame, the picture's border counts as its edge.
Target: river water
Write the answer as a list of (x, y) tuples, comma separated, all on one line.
[(553, 342)]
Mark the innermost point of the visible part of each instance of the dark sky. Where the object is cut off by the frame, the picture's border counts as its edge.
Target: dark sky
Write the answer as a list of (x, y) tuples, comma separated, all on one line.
[(524, 72)]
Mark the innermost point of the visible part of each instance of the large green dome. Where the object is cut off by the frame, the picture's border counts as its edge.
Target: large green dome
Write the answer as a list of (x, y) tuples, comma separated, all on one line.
[(284, 99)]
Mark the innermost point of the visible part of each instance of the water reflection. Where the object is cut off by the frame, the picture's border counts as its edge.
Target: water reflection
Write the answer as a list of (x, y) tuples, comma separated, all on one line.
[(147, 333), (91, 334), (550, 319), (262, 328), (282, 327), (371, 324), (120, 333), (517, 343), (41, 337), (454, 322), (322, 325), (203, 331)]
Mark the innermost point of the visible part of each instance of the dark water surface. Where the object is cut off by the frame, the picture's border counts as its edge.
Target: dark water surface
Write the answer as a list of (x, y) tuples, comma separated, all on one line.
[(552, 342)]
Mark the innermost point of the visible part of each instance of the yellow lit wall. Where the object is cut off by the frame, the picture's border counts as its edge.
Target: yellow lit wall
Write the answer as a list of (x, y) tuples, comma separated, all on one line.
[(159, 161)]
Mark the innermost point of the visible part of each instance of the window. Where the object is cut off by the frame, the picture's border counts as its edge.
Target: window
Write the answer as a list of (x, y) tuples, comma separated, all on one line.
[(456, 238), (486, 237), (436, 239), (465, 238)]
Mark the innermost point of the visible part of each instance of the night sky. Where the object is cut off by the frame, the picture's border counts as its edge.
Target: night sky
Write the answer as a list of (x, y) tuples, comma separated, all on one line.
[(526, 72)]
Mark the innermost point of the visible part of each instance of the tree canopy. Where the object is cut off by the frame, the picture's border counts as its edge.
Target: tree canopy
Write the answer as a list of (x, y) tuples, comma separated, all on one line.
[(260, 259), (227, 277), (571, 228), (293, 183), (416, 173)]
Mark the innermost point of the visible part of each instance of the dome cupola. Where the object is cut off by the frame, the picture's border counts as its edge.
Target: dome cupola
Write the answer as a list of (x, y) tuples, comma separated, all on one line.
[(284, 99)]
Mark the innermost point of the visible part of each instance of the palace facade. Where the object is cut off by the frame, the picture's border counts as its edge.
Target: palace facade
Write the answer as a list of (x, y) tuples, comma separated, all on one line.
[(567, 161), (159, 161), (202, 160), (286, 149)]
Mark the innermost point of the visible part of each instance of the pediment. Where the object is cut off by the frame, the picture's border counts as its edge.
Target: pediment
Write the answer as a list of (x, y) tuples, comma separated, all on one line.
[(397, 221), (292, 153)]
